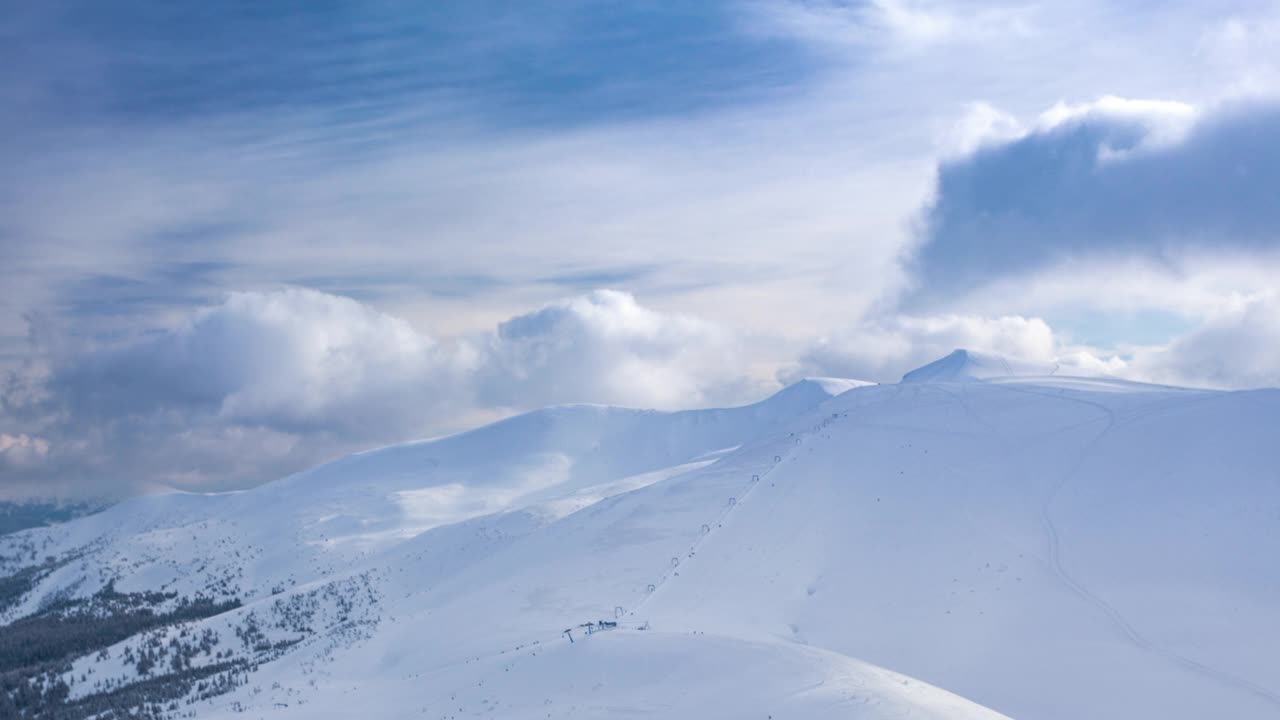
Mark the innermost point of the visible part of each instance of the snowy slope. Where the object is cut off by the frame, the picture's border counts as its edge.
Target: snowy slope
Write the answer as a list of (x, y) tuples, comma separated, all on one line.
[(1113, 541), (1045, 546), (1011, 542), (630, 674), (309, 525)]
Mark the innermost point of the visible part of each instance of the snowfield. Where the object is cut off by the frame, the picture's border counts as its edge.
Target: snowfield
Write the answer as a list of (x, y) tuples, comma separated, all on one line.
[(1045, 547)]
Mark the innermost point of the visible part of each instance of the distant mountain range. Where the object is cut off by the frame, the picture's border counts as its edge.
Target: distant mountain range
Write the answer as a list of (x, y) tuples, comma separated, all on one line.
[(15, 516)]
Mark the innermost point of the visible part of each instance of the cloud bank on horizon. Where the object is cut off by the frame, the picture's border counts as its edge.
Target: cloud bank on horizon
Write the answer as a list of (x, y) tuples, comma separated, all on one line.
[(238, 244)]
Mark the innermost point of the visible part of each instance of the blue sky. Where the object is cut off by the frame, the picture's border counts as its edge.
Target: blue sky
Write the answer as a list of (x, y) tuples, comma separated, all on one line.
[(240, 238), (516, 64)]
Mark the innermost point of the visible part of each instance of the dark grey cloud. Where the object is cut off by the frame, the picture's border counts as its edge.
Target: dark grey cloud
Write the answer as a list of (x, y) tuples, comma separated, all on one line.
[(1110, 180)]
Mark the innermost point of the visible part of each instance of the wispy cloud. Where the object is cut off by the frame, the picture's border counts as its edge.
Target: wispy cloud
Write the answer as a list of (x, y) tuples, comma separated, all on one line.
[(903, 25)]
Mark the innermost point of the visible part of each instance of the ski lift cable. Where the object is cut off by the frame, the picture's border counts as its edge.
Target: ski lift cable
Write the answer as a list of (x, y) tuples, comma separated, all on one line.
[(672, 569)]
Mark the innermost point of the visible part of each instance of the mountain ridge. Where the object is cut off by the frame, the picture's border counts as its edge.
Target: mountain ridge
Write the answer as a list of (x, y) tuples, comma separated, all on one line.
[(981, 536)]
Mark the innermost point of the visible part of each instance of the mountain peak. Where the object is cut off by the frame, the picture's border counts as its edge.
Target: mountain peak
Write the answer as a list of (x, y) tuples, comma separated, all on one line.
[(964, 365), (829, 385), (808, 392)]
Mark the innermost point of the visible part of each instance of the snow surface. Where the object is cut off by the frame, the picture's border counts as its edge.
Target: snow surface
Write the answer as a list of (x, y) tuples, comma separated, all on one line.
[(640, 674), (1047, 547)]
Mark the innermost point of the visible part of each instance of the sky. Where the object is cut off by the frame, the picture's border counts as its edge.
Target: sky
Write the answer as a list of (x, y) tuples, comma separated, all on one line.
[(239, 239)]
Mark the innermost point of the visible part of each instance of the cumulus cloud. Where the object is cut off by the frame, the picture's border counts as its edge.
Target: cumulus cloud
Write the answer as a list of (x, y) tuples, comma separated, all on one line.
[(265, 383), (293, 358), (1239, 349), (884, 349), (1116, 178), (980, 125), (605, 347)]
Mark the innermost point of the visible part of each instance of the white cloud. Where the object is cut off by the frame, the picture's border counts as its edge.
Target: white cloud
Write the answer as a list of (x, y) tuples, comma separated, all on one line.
[(299, 359), (1239, 349), (980, 124), (914, 21), (1162, 123), (296, 356), (292, 358), (883, 350), (1191, 285), (264, 383), (605, 347), (907, 25), (1244, 47)]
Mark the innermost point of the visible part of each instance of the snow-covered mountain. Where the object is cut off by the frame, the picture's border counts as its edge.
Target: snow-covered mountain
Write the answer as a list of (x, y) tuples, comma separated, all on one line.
[(970, 366), (1044, 546)]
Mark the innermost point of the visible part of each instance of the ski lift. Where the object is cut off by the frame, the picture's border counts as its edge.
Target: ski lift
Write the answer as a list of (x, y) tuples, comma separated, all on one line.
[(675, 562), (617, 612), (652, 587), (706, 528), (733, 501)]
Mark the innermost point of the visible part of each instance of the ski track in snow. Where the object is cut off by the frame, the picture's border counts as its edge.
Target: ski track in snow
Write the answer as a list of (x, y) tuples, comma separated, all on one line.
[(796, 440), (731, 504), (1118, 619)]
